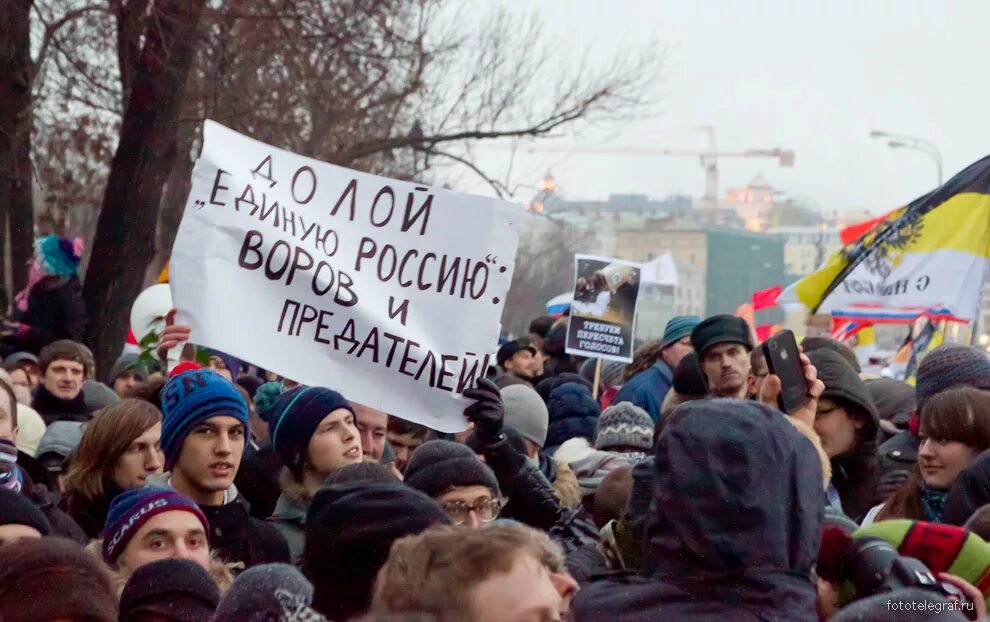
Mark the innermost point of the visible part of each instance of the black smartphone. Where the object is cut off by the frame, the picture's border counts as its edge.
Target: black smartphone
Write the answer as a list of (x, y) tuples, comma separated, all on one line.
[(784, 361)]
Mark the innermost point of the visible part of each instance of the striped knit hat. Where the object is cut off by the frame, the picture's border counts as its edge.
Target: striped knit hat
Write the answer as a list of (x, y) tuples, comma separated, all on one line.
[(624, 425), (191, 398), (133, 508), (678, 328), (950, 365)]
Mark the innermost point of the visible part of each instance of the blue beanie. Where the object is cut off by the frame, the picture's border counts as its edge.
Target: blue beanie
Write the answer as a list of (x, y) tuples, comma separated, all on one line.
[(573, 412), (133, 508), (294, 418), (678, 328), (191, 398)]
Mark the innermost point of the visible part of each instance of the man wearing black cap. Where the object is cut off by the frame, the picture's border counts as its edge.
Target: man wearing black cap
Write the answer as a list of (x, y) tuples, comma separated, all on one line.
[(723, 344), (518, 358)]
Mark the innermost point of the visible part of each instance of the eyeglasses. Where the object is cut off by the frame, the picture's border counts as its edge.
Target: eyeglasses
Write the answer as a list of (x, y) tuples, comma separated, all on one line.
[(485, 509)]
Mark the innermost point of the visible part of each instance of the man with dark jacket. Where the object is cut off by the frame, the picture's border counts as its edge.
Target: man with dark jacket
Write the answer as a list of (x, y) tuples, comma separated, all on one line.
[(648, 388), (59, 396), (204, 427), (734, 524)]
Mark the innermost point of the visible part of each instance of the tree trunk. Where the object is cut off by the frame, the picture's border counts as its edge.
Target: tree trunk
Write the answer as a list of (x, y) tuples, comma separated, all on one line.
[(125, 233), (15, 135)]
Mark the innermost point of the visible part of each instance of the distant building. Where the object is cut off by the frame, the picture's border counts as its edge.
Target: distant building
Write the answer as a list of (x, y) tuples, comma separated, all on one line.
[(805, 248), (719, 267)]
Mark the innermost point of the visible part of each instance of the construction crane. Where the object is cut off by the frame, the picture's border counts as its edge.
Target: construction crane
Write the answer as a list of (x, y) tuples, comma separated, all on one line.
[(708, 157)]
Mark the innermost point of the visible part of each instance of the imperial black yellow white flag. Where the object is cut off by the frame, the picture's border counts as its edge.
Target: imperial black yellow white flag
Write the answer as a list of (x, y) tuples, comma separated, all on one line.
[(930, 254)]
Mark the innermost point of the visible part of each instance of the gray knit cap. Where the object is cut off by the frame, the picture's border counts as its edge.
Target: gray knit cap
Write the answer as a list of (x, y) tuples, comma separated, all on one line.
[(624, 425), (526, 413)]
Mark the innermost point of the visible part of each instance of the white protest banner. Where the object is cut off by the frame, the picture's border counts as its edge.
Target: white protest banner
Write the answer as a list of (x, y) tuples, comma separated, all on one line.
[(388, 291), (603, 314)]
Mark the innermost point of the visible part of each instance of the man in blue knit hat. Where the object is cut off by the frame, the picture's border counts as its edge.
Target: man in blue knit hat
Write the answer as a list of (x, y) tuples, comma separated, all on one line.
[(204, 427), (651, 374)]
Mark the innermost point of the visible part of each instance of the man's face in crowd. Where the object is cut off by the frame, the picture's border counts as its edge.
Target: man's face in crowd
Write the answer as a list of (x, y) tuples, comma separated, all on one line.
[(468, 506), (210, 457), (64, 379), (402, 446), (31, 370), (529, 592), (12, 533), (142, 458), (835, 428), (335, 443), (216, 364), (19, 378), (727, 368), (673, 353), (373, 426), (177, 534), (125, 383), (521, 364)]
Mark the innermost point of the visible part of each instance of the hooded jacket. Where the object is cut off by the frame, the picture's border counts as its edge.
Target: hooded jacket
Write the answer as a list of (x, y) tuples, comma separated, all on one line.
[(289, 516), (55, 311), (235, 536), (733, 527), (573, 412), (969, 492), (854, 474)]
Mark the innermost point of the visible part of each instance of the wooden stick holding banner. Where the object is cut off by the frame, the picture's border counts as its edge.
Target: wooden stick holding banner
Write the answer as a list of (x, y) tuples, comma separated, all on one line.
[(598, 378)]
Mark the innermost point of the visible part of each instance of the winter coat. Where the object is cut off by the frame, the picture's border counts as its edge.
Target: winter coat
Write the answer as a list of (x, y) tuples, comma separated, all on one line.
[(532, 500), (573, 412), (289, 517), (62, 524), (647, 389), (235, 536), (592, 465), (90, 514), (733, 528), (257, 479), (969, 492), (52, 408), (55, 311)]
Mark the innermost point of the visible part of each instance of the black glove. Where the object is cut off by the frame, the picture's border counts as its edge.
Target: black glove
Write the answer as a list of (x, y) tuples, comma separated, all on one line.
[(486, 413)]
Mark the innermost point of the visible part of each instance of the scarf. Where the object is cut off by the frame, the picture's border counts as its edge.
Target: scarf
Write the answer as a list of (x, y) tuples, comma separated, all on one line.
[(933, 503), (49, 405), (10, 476)]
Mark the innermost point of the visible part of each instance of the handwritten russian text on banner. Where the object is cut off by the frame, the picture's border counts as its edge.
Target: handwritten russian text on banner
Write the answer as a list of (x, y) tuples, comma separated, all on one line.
[(603, 315), (388, 291)]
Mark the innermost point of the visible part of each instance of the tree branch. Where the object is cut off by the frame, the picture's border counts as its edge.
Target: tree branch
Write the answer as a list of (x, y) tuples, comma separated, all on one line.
[(52, 29)]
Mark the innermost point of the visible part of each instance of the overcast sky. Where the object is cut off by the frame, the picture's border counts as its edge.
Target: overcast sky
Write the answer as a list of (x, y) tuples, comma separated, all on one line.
[(814, 77)]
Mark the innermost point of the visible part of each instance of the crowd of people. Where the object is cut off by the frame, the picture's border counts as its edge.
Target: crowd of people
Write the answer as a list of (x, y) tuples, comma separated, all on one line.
[(672, 488)]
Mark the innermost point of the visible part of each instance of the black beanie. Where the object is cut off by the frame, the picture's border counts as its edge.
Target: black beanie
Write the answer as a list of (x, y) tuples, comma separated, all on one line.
[(811, 344), (294, 418), (721, 329), (177, 589), (437, 466), (350, 529), (16, 509)]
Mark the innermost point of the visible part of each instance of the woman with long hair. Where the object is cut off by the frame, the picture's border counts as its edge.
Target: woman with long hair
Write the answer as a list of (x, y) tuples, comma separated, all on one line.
[(955, 428), (118, 451)]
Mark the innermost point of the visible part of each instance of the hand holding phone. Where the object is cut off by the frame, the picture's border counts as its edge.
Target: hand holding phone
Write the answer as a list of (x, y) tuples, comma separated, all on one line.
[(784, 360)]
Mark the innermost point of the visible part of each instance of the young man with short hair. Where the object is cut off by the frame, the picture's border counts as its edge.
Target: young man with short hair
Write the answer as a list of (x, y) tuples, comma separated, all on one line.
[(404, 437), (145, 525), (59, 396), (204, 429), (373, 427), (723, 344), (501, 573)]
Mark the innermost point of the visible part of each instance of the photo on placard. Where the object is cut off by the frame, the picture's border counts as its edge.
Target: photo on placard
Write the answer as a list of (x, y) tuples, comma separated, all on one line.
[(603, 313)]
